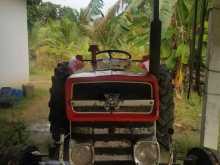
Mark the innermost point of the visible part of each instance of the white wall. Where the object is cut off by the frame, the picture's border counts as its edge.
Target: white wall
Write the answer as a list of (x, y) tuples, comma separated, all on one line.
[(14, 63)]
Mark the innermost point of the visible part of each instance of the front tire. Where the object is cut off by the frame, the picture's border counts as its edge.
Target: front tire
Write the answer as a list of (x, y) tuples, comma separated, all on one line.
[(166, 121), (57, 116)]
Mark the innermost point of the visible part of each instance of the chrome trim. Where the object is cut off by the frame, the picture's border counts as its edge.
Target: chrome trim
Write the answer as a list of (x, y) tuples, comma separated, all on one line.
[(158, 150), (124, 103), (90, 145)]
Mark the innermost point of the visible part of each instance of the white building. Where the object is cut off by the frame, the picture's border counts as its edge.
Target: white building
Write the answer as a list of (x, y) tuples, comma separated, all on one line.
[(14, 62)]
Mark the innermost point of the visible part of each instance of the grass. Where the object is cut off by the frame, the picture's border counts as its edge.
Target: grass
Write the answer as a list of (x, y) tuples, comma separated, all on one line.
[(185, 141), (188, 111), (14, 121), (187, 123), (15, 113), (36, 71), (19, 114), (14, 124)]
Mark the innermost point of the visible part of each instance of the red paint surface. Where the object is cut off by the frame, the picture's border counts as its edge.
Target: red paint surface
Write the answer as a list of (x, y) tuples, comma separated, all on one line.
[(77, 117)]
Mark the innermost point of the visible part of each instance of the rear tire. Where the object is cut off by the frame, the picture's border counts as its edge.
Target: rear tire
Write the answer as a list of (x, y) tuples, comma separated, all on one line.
[(202, 156), (166, 121), (57, 116)]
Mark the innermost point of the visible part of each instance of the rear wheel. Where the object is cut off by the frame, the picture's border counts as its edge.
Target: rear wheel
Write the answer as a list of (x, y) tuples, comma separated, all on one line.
[(165, 123), (202, 156), (57, 117)]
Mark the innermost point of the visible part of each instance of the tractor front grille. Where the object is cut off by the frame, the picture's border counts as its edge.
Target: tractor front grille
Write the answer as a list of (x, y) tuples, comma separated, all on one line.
[(112, 97), (113, 142)]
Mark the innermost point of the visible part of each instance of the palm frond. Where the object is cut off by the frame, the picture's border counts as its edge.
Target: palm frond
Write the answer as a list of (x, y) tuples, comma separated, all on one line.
[(94, 9), (166, 13)]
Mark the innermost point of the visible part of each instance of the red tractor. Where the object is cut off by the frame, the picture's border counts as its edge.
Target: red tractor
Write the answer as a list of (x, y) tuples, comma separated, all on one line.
[(111, 112), (111, 115)]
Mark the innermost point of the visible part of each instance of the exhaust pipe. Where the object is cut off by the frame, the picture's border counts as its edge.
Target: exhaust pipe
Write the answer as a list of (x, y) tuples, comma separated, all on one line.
[(155, 40)]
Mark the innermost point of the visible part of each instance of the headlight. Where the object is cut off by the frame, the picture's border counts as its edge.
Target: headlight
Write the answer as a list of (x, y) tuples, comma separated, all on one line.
[(82, 154), (146, 153)]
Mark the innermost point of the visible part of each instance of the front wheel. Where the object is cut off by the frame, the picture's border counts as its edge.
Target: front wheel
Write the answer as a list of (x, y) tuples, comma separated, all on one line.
[(202, 156), (166, 121), (57, 115)]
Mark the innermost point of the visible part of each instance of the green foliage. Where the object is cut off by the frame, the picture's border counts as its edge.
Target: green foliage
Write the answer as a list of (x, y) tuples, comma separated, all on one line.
[(14, 136), (49, 11), (126, 26), (60, 32), (94, 8), (12, 133), (58, 41), (42, 12), (71, 14), (183, 12), (187, 123), (166, 13), (57, 34), (32, 12), (182, 53)]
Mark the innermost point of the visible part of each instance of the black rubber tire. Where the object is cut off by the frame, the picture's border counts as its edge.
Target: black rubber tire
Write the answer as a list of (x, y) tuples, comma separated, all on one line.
[(57, 115), (166, 121), (27, 157), (202, 156)]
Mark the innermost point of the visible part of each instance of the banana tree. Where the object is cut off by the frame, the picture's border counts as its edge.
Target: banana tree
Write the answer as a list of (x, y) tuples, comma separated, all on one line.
[(177, 47)]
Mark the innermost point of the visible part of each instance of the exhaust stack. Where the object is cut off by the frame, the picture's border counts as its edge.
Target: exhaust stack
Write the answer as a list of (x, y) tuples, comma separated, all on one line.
[(155, 39)]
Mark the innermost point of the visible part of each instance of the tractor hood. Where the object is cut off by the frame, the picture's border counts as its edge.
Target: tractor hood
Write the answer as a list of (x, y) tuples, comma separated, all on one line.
[(105, 73)]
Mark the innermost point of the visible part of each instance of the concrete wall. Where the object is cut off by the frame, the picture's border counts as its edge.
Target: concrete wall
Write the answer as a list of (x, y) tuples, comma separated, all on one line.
[(14, 63), (211, 108)]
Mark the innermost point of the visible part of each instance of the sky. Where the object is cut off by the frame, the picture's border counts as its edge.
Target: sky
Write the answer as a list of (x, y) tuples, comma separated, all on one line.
[(77, 4)]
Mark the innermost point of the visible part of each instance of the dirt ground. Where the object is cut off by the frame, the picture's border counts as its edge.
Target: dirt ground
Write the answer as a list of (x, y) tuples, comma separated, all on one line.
[(36, 113)]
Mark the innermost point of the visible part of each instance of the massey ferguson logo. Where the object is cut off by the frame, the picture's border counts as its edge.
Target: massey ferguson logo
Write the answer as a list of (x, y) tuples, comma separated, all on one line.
[(112, 102)]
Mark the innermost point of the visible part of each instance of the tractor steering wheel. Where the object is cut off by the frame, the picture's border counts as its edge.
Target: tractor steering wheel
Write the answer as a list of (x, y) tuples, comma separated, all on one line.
[(110, 52), (113, 59)]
